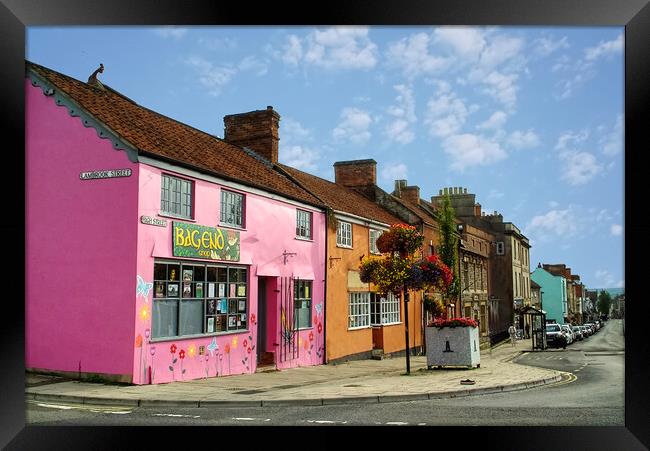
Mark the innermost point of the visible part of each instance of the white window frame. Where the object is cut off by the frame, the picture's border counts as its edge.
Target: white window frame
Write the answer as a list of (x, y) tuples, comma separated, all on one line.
[(373, 235), (358, 310), (343, 236), (389, 309), (227, 201), (183, 197), (303, 224)]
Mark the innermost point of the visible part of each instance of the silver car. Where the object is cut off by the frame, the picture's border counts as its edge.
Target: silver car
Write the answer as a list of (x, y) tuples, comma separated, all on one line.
[(570, 338), (577, 331)]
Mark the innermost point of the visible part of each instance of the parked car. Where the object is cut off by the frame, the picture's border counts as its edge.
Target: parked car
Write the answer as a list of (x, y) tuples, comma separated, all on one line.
[(586, 332), (555, 336), (592, 326), (570, 338), (577, 331)]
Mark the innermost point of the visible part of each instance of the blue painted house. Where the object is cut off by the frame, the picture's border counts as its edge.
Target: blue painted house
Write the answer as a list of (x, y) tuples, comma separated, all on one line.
[(554, 297)]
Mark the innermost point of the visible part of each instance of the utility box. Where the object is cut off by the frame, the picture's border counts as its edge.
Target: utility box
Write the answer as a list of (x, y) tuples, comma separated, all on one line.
[(453, 346)]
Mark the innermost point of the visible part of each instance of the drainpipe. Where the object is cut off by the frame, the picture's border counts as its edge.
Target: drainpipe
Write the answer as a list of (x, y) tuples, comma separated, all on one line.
[(325, 360)]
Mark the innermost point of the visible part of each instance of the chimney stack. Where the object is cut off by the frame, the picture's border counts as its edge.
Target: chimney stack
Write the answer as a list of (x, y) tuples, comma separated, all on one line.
[(477, 208), (258, 130), (408, 193), (355, 173)]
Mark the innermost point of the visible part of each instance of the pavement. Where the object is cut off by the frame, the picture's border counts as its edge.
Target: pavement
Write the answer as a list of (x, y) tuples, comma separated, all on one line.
[(359, 381)]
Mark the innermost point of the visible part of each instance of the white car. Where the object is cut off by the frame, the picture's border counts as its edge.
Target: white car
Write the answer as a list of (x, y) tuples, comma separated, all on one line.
[(568, 332)]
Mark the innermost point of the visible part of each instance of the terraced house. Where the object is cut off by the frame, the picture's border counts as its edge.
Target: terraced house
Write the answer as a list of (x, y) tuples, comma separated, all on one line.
[(157, 252)]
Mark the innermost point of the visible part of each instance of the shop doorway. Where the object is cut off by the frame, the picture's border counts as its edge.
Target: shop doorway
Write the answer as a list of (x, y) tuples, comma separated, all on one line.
[(266, 320), (261, 319)]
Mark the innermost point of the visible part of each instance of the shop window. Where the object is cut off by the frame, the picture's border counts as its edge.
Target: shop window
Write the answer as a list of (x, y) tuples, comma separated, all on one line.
[(344, 234), (358, 310), (374, 234), (303, 224), (176, 196), (232, 208), (302, 303), (384, 309), (197, 299)]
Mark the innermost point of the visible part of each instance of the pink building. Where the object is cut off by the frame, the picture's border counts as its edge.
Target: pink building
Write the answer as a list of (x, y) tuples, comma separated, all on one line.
[(156, 252)]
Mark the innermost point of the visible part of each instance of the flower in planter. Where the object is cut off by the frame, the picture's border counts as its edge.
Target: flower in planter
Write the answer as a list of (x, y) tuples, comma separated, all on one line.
[(453, 322)]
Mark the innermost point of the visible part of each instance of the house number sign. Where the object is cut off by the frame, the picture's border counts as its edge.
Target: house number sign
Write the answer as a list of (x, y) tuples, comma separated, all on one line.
[(107, 174)]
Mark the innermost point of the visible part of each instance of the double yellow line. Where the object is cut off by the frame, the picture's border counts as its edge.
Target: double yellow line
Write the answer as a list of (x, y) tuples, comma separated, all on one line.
[(571, 378)]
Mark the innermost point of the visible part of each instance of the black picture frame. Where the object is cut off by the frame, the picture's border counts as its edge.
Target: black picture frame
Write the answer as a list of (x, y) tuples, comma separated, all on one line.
[(635, 15)]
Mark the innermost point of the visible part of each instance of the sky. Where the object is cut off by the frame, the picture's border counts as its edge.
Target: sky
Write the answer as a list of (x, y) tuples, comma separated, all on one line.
[(530, 119)]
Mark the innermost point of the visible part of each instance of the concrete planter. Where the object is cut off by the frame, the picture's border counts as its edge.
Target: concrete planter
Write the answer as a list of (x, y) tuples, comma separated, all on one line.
[(453, 346)]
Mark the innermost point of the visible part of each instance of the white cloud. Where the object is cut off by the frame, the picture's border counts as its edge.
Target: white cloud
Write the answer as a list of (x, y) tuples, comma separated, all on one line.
[(212, 77), (300, 157), (412, 56), (253, 64), (495, 122), (616, 229), (543, 47), (612, 143), (353, 126), (466, 42), (579, 167), (217, 43), (446, 114), (403, 113), (523, 140), (293, 130), (501, 49), (468, 150), (501, 87), (605, 49), (569, 140), (605, 279), (553, 224), (332, 48), (394, 171), (171, 32)]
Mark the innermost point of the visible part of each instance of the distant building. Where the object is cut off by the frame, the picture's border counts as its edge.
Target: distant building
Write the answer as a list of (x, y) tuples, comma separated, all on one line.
[(554, 300), (509, 262)]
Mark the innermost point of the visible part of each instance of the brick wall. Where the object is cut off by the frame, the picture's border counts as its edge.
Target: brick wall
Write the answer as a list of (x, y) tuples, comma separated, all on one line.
[(258, 130)]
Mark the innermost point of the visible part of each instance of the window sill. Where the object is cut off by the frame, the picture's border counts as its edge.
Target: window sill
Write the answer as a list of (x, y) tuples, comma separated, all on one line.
[(196, 336), (387, 324), (172, 216), (343, 247), (305, 328), (300, 238), (359, 327), (233, 227)]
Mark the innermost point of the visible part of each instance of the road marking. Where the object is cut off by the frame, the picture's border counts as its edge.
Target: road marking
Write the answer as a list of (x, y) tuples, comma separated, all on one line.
[(572, 378), (175, 415), (88, 408), (326, 421), (422, 424), (251, 419), (398, 423)]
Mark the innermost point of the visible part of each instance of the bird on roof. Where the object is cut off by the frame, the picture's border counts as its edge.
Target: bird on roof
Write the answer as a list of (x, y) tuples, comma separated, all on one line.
[(93, 81)]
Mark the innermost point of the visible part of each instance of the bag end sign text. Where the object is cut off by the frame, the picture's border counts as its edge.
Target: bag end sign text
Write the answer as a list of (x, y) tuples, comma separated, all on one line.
[(197, 241), (107, 174)]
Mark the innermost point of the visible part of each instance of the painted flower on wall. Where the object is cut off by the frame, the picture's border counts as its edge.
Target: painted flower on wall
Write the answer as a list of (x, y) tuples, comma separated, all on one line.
[(172, 349), (311, 336), (191, 351), (181, 354), (144, 313), (234, 342), (319, 328), (253, 319), (245, 343), (138, 341)]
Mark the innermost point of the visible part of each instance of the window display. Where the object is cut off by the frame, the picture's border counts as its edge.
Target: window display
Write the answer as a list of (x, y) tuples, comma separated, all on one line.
[(196, 299)]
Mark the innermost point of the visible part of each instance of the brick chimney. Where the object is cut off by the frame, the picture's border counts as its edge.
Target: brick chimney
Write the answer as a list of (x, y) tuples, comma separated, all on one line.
[(257, 130), (477, 209), (355, 173), (408, 193)]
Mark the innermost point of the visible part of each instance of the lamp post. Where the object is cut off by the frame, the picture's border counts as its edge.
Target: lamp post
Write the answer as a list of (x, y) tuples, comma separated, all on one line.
[(459, 306)]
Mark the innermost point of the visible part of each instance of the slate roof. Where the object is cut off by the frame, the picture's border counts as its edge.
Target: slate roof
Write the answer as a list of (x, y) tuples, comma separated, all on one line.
[(155, 135), (341, 198)]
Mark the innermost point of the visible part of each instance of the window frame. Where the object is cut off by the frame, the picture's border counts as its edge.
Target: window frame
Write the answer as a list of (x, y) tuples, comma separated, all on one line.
[(372, 243), (501, 248), (359, 309), (309, 226), (339, 234), (204, 299), (309, 299), (389, 300), (242, 213), (181, 183)]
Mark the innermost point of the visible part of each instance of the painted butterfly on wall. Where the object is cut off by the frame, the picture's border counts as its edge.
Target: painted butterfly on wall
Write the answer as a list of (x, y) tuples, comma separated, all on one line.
[(143, 288), (213, 346)]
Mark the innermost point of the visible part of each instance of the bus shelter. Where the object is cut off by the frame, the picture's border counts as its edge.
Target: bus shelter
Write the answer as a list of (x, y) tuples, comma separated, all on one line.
[(536, 319)]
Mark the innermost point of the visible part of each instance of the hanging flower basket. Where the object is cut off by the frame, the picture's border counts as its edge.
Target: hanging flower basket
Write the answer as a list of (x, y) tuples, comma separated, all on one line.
[(401, 238)]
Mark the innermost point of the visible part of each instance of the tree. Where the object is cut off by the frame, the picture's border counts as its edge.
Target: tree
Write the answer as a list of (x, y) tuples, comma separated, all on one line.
[(604, 302), (449, 247)]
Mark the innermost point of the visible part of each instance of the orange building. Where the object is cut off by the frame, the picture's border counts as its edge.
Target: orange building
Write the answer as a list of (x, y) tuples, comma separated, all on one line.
[(359, 323)]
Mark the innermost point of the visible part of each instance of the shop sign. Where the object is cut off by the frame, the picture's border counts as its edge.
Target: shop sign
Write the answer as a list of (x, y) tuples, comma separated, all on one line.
[(196, 241), (107, 174), (153, 221)]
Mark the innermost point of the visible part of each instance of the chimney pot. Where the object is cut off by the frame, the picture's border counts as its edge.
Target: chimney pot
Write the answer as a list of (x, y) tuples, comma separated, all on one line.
[(439, 192), (465, 190)]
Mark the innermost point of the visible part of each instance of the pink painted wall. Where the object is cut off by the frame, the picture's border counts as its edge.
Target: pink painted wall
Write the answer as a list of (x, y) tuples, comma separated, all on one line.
[(270, 230), (80, 245), (272, 322)]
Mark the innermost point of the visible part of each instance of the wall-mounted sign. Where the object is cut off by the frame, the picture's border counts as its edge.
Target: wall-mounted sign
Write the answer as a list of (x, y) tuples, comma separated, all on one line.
[(196, 241), (153, 221), (108, 174)]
